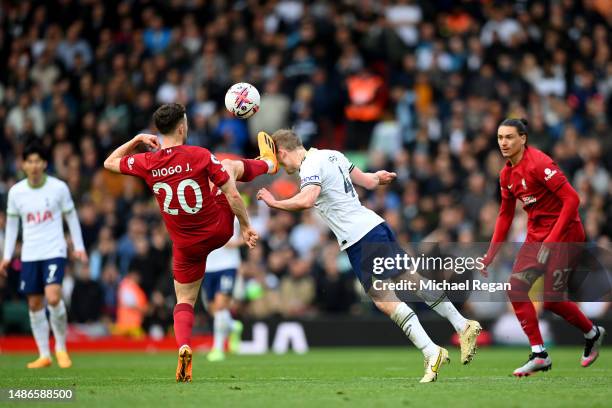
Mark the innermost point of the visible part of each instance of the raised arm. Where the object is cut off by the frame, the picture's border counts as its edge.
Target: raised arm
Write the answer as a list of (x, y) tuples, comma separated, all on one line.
[(371, 180), (303, 200), (113, 161)]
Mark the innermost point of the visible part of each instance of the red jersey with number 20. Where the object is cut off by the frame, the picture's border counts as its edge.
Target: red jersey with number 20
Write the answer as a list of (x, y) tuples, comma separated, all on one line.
[(533, 181), (178, 176)]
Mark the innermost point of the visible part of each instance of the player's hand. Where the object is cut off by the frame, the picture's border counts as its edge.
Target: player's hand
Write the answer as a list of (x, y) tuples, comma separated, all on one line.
[(250, 236), (483, 271), (266, 196), (81, 256), (149, 140), (385, 177), (4, 267)]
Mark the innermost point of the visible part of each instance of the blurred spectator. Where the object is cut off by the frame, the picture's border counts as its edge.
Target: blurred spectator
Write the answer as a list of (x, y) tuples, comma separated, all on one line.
[(297, 289), (87, 302), (131, 306), (335, 289)]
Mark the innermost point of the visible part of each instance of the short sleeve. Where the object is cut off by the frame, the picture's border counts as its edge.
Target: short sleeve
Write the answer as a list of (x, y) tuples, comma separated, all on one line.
[(549, 174), (216, 172), (66, 198), (134, 165), (11, 208), (310, 173), (349, 165)]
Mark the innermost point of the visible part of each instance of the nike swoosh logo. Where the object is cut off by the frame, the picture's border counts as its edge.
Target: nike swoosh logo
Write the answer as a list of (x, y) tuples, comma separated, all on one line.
[(510, 186), (436, 366)]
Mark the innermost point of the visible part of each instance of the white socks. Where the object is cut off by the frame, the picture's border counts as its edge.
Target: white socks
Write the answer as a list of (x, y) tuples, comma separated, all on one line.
[(270, 165), (40, 330), (446, 309), (538, 348), (408, 321), (59, 322), (591, 334), (222, 327)]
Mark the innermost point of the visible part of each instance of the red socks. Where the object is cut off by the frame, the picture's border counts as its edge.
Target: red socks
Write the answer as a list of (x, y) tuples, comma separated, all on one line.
[(183, 323), (527, 317), (253, 168), (571, 313), (525, 311)]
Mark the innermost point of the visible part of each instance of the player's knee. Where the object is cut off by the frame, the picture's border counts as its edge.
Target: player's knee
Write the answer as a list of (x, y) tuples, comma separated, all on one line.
[(53, 298), (233, 167), (35, 303), (221, 302), (519, 289), (385, 307)]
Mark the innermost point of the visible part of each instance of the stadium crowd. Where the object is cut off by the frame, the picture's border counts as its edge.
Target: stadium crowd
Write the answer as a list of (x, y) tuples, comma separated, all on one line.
[(415, 87)]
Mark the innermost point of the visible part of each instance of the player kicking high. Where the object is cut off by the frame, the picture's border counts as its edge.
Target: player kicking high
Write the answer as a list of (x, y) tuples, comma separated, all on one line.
[(221, 269), (552, 208), (198, 199), (40, 200), (326, 183)]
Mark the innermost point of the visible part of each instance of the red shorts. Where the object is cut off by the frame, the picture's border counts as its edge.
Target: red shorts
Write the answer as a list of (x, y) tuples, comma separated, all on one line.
[(562, 259), (189, 263)]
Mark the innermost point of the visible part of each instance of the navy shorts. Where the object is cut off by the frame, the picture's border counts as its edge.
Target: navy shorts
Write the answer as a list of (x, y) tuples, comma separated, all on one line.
[(35, 275), (219, 282), (367, 254)]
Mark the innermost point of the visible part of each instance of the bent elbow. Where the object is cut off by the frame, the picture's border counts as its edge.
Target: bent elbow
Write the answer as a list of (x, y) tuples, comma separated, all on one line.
[(309, 203)]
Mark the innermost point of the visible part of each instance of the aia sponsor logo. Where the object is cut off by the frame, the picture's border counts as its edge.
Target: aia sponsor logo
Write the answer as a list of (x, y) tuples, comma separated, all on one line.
[(38, 217)]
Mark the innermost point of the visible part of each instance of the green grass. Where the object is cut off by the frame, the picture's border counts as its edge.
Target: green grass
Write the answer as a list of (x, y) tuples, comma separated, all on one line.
[(324, 377)]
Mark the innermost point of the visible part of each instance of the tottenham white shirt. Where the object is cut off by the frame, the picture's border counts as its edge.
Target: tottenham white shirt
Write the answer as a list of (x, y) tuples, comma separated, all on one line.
[(338, 202), (225, 258), (40, 210)]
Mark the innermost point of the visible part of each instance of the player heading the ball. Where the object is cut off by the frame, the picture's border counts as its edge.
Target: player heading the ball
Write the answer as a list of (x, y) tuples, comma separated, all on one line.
[(327, 178)]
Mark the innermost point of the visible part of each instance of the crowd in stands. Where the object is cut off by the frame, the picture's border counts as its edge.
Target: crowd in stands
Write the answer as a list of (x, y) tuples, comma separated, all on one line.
[(415, 87)]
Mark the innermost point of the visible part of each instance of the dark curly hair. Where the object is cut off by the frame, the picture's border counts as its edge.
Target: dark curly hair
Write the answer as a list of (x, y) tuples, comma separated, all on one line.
[(168, 116)]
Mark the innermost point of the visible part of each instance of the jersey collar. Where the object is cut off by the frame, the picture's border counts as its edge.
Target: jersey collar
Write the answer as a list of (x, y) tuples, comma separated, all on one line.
[(509, 163), (42, 183), (312, 149)]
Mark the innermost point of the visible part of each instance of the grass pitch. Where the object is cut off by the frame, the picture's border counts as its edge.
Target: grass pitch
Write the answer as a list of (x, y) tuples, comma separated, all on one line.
[(323, 377)]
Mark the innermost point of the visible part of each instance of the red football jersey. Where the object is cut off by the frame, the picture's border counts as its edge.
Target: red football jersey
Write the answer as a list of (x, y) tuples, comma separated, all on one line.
[(178, 176), (533, 181)]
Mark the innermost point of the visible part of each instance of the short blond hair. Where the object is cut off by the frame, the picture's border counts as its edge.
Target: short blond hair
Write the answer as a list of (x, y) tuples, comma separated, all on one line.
[(287, 139)]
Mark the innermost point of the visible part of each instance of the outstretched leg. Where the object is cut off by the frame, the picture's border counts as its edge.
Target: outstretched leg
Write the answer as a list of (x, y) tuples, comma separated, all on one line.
[(407, 320), (246, 170)]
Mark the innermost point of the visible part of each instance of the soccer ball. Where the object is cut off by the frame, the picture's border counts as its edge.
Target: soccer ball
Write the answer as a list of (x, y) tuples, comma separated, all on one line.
[(242, 100)]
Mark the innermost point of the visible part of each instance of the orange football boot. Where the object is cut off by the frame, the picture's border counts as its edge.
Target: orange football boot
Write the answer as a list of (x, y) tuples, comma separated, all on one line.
[(183, 370)]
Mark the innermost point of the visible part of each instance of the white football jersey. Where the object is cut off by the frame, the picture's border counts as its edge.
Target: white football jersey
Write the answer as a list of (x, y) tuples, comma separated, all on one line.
[(338, 202), (41, 210), (225, 258)]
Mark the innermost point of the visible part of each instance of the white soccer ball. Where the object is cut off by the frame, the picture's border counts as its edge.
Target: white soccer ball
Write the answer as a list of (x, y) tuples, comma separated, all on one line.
[(242, 100)]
